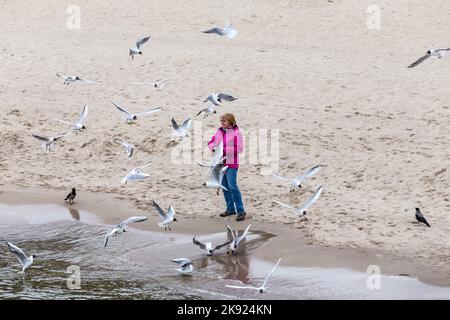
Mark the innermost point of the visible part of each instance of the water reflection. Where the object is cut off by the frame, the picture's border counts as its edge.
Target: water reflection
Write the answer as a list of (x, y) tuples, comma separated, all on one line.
[(74, 213)]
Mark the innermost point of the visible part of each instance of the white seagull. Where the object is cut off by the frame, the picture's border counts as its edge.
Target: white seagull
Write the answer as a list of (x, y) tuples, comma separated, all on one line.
[(136, 174), (435, 53), (180, 132), (207, 111), (208, 246), (24, 261), (120, 228), (236, 240), (137, 48), (79, 124), (217, 174), (263, 286), (227, 31), (69, 79), (217, 98), (47, 142), (167, 218), (186, 266), (158, 85), (302, 210), (134, 116), (129, 148), (296, 182)]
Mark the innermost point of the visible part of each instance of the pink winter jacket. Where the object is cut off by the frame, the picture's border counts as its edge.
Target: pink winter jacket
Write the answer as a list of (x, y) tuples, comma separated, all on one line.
[(232, 144)]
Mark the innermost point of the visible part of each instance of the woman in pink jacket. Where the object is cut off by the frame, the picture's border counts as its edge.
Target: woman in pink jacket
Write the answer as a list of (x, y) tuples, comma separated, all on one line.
[(232, 145)]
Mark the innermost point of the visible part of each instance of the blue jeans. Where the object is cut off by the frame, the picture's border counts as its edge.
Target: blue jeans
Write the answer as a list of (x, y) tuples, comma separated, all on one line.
[(233, 195)]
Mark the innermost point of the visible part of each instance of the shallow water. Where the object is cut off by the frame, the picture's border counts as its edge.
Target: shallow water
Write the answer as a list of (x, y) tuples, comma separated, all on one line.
[(136, 265)]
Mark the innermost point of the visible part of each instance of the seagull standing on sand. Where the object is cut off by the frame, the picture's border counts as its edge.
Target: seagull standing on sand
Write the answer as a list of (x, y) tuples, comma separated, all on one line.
[(263, 286), (227, 31), (236, 240), (296, 182), (216, 98), (71, 196), (136, 174), (137, 48), (167, 218), (158, 85), (302, 210), (69, 79), (186, 266), (129, 148), (120, 228), (435, 53), (208, 246), (47, 142), (24, 261), (180, 132), (79, 124), (421, 218), (134, 116)]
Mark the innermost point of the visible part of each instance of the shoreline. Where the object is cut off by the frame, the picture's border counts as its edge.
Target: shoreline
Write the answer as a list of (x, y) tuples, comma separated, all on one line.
[(296, 248)]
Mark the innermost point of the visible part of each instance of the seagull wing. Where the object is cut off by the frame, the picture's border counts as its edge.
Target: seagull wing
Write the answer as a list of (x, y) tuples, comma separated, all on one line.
[(121, 109), (241, 287), (239, 239), (145, 165), (182, 261), (21, 257), (83, 115), (146, 113), (412, 65), (40, 138), (222, 245), (65, 122), (161, 212), (281, 177), (105, 242), (186, 124), (268, 276), (89, 81), (201, 245), (229, 231), (311, 200), (132, 219), (174, 124), (285, 205), (307, 174), (217, 30), (171, 212), (141, 41), (226, 96)]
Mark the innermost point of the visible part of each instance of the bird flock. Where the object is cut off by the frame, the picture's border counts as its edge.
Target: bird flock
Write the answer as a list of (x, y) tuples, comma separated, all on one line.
[(216, 168)]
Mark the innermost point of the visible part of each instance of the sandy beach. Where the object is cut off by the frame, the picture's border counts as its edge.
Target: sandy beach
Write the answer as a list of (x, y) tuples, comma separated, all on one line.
[(334, 91)]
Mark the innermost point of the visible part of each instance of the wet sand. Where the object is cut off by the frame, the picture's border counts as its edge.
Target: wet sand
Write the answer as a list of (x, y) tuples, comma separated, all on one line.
[(293, 245)]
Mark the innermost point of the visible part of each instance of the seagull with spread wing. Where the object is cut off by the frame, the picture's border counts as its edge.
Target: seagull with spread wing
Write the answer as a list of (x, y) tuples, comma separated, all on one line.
[(120, 228), (296, 182), (302, 210), (167, 217)]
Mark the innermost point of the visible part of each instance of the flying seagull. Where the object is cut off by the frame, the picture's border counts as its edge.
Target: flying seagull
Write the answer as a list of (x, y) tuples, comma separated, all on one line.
[(186, 266), (78, 125), (296, 182), (136, 174), (217, 174), (71, 196), (180, 132), (421, 218), (435, 53), (302, 210), (137, 48), (129, 148), (263, 286), (158, 85), (120, 228), (134, 116), (207, 111), (227, 31), (217, 98), (47, 142), (69, 79), (24, 261), (208, 246), (167, 218), (235, 239)]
